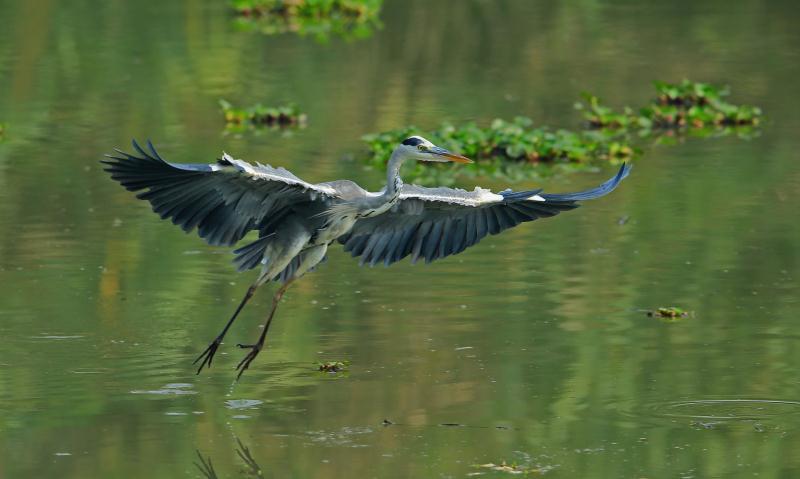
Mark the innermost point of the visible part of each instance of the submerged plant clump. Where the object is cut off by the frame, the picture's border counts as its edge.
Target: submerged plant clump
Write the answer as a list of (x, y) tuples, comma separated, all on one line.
[(332, 366), (259, 115), (682, 105), (321, 18), (504, 149), (670, 313)]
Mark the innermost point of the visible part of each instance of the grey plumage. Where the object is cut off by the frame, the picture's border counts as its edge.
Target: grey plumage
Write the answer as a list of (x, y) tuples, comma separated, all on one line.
[(296, 221), (438, 222), (224, 200)]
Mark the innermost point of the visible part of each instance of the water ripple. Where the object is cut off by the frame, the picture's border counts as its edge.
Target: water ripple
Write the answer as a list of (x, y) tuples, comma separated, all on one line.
[(729, 409), (175, 389), (713, 412)]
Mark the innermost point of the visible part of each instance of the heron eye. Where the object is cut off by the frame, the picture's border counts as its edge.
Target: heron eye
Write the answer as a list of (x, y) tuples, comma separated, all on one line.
[(422, 148)]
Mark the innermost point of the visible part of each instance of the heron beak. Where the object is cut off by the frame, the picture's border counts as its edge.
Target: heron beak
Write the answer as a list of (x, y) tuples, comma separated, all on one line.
[(450, 156)]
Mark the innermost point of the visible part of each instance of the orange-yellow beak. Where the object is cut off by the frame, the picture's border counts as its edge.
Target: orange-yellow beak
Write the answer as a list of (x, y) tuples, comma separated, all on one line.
[(450, 155), (457, 158)]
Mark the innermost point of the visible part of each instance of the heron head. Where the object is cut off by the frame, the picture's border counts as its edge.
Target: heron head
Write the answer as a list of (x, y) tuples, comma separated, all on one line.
[(420, 149)]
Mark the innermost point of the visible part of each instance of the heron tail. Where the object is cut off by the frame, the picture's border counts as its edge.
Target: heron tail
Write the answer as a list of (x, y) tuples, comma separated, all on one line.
[(250, 255)]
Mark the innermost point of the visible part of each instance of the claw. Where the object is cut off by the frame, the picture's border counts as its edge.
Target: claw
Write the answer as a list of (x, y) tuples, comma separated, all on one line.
[(208, 355), (245, 362)]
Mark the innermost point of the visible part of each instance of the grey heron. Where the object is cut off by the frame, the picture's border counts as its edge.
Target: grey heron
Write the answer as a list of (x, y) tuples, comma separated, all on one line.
[(298, 221)]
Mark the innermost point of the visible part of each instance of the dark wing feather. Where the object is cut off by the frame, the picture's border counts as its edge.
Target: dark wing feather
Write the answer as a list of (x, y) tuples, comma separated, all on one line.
[(432, 223), (223, 200)]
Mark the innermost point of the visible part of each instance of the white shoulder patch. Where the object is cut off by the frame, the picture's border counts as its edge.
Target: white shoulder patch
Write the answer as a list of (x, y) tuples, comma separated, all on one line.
[(486, 196)]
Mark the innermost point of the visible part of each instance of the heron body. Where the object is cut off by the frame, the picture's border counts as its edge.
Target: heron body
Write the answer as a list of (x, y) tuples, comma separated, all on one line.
[(298, 221)]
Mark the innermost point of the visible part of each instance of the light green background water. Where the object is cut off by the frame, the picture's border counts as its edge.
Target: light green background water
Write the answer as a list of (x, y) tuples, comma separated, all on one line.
[(103, 306)]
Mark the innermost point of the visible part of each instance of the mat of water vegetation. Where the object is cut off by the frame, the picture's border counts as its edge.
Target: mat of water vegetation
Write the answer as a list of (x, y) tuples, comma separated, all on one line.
[(685, 105), (508, 150), (239, 119), (503, 149), (349, 19)]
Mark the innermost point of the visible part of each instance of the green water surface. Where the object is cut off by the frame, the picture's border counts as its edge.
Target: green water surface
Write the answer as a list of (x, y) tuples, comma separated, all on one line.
[(529, 348)]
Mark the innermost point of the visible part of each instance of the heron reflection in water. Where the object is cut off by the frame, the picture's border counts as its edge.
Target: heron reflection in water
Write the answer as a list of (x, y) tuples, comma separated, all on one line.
[(298, 221), (206, 467)]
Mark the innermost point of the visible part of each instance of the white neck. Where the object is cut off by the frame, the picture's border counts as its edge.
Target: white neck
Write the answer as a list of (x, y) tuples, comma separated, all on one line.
[(378, 204), (393, 181)]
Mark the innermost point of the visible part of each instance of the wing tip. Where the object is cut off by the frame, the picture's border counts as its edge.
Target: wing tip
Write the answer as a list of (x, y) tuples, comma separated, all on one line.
[(624, 170), (607, 187), (120, 155)]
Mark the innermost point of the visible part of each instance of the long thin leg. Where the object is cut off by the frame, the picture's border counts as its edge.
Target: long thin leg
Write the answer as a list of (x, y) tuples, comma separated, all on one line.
[(208, 355), (256, 348)]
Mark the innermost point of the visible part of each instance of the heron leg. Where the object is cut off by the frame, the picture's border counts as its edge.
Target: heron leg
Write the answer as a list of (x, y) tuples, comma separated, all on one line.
[(309, 258), (208, 355), (256, 348)]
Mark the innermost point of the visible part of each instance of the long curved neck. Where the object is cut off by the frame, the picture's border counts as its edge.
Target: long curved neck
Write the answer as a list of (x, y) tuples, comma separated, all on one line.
[(378, 204), (393, 181)]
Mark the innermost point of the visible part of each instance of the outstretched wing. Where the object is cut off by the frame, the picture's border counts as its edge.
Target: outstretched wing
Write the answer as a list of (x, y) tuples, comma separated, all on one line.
[(433, 223), (223, 200)]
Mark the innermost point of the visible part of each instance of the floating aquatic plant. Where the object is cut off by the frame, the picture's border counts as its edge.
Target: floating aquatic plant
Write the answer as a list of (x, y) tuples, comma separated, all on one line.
[(598, 115), (685, 105), (332, 366), (507, 150), (503, 149), (669, 313), (261, 116), (321, 18)]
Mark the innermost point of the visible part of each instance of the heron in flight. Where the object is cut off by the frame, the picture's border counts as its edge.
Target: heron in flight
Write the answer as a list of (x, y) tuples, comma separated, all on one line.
[(298, 221)]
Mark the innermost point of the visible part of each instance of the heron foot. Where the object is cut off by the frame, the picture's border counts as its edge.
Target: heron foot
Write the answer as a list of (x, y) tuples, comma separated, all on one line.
[(245, 362), (208, 355)]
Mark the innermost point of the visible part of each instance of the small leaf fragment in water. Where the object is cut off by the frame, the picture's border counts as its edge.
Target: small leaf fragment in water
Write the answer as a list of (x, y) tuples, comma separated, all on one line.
[(670, 313), (332, 366), (509, 468)]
